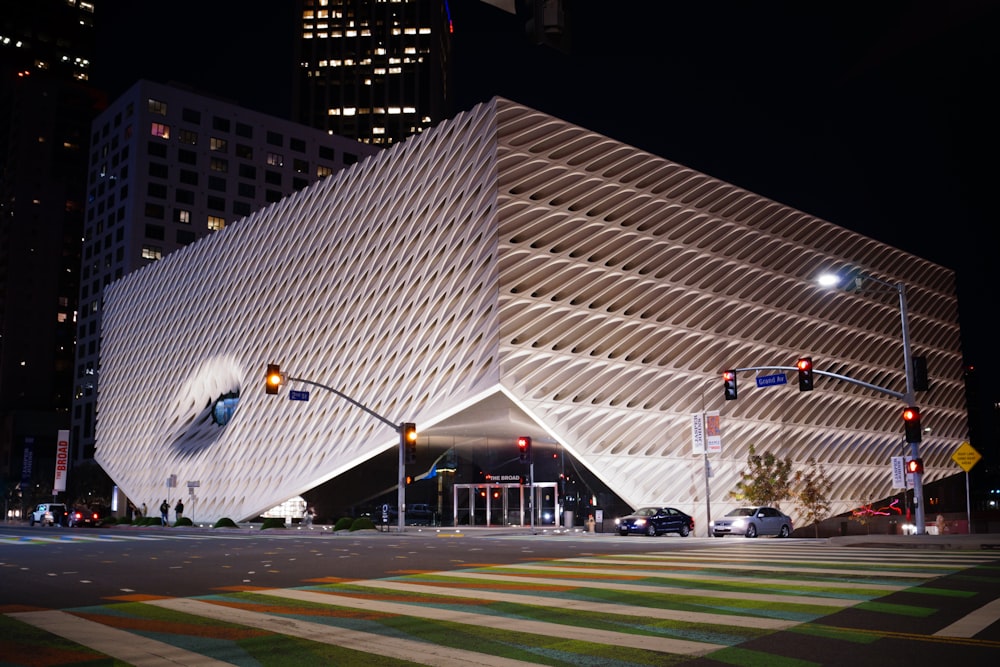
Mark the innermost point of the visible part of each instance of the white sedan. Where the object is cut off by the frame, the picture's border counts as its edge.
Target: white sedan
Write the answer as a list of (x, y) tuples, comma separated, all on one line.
[(751, 522)]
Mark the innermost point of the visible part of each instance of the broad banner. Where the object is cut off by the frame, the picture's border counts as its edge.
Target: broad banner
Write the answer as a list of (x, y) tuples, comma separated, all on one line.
[(706, 431), (62, 462), (698, 433), (898, 472), (27, 464), (713, 432)]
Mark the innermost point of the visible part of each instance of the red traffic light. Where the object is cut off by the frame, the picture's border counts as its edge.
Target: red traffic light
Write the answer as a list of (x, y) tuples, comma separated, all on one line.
[(911, 420), (729, 384), (805, 366), (524, 449), (273, 379)]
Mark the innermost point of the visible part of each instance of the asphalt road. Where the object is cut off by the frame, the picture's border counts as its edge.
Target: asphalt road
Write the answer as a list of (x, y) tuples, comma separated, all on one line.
[(882, 601), (70, 567)]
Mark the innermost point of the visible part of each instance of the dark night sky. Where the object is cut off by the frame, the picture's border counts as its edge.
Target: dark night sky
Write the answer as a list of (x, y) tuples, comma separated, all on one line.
[(878, 117)]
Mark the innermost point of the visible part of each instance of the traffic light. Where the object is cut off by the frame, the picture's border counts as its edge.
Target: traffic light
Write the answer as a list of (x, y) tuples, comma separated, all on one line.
[(805, 366), (273, 379), (915, 466), (409, 437), (911, 419), (524, 449), (729, 384)]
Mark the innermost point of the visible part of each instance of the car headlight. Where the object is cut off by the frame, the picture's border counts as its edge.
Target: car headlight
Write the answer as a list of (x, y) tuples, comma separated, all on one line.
[(740, 523), (640, 522), (618, 522)]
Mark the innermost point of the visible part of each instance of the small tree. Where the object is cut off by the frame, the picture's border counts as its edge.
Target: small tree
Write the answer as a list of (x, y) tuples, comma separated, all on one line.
[(812, 488), (767, 480)]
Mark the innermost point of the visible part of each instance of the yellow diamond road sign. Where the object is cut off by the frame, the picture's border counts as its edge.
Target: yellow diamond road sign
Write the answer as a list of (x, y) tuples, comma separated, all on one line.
[(966, 456)]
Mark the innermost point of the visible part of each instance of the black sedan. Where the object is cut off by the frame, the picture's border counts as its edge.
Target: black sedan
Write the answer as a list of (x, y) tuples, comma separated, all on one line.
[(655, 521), (81, 516)]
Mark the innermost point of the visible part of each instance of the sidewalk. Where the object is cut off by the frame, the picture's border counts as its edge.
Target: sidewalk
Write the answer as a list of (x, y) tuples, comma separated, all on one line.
[(962, 542)]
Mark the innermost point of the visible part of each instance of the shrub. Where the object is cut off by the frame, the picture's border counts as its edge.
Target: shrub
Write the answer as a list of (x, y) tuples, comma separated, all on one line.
[(362, 523), (273, 522), (225, 522), (344, 523), (184, 521)]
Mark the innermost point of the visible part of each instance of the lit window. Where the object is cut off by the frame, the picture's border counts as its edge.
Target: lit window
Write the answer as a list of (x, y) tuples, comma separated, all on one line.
[(350, 111), (157, 107), (216, 144), (215, 223), (152, 252), (322, 172), (275, 159), (160, 130)]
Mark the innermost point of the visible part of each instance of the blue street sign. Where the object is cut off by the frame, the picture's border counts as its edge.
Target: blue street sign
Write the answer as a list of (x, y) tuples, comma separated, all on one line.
[(771, 380), (298, 395)]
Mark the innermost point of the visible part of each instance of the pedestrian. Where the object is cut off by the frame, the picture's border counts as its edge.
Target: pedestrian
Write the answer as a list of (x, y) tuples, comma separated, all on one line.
[(307, 516), (179, 510), (144, 512), (164, 511)]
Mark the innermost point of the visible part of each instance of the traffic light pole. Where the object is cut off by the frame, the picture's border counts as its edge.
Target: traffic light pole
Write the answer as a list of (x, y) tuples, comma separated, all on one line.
[(910, 400), (399, 428), (857, 279)]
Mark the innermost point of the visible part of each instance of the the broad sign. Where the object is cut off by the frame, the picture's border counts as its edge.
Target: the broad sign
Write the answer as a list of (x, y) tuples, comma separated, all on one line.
[(771, 380)]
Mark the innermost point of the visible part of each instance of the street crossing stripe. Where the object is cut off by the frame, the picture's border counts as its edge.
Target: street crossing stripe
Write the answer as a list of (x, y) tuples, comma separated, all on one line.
[(119, 644), (392, 647), (581, 605), (973, 623), (666, 590), (635, 641)]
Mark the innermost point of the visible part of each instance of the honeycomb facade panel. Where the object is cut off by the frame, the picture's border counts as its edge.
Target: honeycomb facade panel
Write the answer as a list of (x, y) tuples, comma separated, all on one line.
[(508, 270)]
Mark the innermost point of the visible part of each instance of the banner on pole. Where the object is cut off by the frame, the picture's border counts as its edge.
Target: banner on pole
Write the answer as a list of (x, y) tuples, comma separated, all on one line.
[(62, 462), (898, 474), (713, 432), (698, 433)]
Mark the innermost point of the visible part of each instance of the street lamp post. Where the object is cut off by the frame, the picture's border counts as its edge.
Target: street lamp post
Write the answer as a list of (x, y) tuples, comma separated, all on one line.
[(909, 396)]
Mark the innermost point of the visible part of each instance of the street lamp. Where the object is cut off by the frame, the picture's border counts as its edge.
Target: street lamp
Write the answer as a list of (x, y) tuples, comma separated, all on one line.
[(856, 282)]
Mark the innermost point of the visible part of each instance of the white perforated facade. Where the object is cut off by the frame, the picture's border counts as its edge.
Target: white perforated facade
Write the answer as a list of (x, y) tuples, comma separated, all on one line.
[(509, 273)]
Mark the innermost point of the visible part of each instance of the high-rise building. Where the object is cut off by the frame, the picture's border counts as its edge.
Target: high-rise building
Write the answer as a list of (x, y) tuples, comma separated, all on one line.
[(372, 70), (168, 166), (46, 106)]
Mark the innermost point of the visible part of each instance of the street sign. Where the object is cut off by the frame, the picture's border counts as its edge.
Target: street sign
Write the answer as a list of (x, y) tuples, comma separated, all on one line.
[(966, 456), (771, 380), (298, 395)]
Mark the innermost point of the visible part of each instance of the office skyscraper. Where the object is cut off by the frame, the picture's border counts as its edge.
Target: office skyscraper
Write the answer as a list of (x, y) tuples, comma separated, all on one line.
[(374, 71), (46, 105)]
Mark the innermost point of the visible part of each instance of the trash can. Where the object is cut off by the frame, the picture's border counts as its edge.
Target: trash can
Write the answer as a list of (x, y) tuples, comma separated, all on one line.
[(567, 518)]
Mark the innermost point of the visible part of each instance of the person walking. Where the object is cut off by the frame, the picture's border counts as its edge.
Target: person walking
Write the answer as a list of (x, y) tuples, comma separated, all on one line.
[(144, 512), (179, 511), (164, 511)]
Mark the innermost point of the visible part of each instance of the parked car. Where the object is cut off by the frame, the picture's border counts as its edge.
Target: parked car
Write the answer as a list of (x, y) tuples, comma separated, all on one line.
[(83, 516), (49, 514), (751, 522), (655, 521)]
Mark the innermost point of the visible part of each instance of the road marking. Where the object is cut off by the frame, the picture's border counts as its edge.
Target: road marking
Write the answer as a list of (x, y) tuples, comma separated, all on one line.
[(646, 642), (971, 624), (666, 590), (119, 644), (716, 578), (401, 649), (581, 605)]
